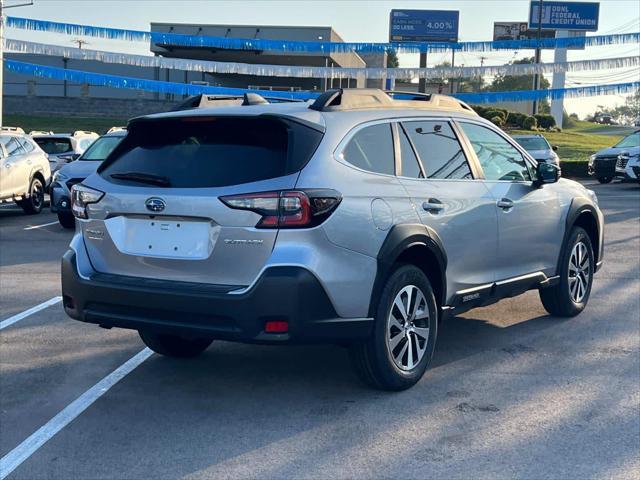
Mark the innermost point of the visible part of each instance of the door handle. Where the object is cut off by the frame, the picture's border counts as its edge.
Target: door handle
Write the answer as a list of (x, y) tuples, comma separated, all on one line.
[(505, 203), (433, 205)]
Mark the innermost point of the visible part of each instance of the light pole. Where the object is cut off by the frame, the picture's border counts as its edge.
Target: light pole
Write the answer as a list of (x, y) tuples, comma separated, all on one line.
[(2, 9)]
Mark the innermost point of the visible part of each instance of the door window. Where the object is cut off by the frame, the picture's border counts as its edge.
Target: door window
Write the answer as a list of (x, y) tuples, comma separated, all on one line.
[(499, 159), (371, 149), (439, 149), (26, 144)]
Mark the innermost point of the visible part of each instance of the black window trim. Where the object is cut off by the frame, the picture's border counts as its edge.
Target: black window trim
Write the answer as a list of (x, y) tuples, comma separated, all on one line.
[(529, 162)]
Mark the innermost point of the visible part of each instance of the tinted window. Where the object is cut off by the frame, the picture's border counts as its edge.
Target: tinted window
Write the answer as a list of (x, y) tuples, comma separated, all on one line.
[(84, 144), (12, 145), (439, 149), (410, 166), (372, 149), (54, 146), (631, 141), (499, 159), (196, 152), (101, 148), (26, 144)]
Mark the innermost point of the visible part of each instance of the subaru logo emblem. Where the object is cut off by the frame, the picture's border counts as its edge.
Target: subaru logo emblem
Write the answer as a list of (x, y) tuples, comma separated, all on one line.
[(155, 204)]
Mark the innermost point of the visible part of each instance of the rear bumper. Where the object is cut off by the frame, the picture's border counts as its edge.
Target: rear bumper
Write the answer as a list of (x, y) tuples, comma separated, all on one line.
[(292, 294)]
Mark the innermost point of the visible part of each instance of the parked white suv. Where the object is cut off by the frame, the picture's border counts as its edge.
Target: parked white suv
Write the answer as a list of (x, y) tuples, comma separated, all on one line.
[(24, 170), (63, 148)]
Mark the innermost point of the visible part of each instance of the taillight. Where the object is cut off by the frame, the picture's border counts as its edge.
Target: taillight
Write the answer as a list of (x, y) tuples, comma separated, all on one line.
[(287, 208), (82, 196)]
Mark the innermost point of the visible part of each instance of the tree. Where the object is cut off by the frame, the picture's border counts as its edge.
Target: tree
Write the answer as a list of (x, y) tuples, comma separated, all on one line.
[(510, 83), (392, 59)]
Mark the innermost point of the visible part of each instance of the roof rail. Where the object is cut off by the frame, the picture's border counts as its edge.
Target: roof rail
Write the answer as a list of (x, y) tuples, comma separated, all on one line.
[(203, 100), (40, 132), (117, 129), (372, 98), (11, 129), (79, 133)]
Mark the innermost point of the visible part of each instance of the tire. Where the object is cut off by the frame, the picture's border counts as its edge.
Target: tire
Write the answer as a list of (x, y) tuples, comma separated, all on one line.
[(570, 296), (35, 201), (173, 345), (67, 220), (605, 179), (383, 361)]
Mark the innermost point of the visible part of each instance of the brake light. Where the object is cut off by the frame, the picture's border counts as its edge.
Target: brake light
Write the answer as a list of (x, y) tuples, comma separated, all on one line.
[(82, 196), (288, 208)]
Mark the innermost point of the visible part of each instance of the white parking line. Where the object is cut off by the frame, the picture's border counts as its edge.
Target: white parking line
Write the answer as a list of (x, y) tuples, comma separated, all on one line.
[(15, 457), (40, 226), (26, 313)]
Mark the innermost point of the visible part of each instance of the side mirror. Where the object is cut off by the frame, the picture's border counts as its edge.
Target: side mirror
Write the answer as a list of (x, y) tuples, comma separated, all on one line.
[(554, 148), (546, 173)]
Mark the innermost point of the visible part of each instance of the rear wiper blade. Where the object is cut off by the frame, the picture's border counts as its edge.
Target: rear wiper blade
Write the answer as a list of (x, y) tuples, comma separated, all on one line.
[(141, 177)]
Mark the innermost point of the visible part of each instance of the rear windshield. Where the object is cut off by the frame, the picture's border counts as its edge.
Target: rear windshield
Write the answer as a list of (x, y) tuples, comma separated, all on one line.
[(101, 148), (54, 145), (197, 152)]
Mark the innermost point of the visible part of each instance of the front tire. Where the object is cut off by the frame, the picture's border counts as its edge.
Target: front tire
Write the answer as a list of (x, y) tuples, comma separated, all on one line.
[(35, 201), (173, 345), (570, 296), (400, 349), (67, 220), (605, 179)]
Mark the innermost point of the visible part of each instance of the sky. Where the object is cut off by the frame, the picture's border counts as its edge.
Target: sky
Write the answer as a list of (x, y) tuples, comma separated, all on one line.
[(355, 20)]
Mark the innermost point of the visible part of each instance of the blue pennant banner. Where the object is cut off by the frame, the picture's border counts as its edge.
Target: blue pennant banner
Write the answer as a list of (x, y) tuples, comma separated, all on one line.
[(257, 44), (114, 81)]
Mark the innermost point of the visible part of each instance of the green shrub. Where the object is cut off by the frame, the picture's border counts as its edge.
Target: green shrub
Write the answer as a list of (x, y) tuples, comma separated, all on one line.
[(489, 114), (516, 119), (545, 121), (530, 123), (497, 120)]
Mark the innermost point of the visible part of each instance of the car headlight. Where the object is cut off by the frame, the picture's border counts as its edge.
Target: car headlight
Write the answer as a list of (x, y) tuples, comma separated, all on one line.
[(592, 159), (59, 176)]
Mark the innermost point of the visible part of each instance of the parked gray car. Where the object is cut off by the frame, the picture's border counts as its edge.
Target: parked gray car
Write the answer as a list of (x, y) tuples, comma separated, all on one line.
[(539, 148), (76, 171), (359, 219)]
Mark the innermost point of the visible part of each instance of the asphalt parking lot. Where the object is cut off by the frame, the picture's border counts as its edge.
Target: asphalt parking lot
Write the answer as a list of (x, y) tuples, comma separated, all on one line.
[(512, 392)]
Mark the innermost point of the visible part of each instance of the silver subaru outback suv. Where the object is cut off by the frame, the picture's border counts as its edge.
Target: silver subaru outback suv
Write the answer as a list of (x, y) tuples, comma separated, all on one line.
[(364, 218)]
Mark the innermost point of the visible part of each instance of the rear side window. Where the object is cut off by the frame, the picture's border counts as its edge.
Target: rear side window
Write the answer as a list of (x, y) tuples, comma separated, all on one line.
[(54, 146), (439, 149), (26, 144), (371, 149), (12, 145), (199, 152), (409, 161)]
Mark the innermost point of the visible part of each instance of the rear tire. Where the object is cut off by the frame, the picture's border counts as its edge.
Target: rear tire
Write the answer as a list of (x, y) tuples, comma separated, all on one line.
[(34, 202), (401, 346), (67, 220), (570, 296), (605, 179), (173, 345)]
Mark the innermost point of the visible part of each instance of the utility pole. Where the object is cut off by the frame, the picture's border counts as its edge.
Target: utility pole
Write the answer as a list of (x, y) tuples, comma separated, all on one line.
[(453, 64), (2, 9), (536, 77), (80, 42)]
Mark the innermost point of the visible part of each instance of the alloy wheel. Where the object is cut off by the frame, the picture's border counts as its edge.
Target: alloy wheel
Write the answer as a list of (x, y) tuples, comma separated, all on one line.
[(408, 328), (579, 272)]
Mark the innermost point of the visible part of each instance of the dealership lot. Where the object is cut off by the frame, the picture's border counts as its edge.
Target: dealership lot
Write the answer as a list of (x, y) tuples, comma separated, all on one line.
[(512, 391)]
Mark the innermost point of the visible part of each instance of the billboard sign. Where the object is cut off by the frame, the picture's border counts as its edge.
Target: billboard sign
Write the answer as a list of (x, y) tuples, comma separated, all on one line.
[(565, 15), (518, 31), (423, 26)]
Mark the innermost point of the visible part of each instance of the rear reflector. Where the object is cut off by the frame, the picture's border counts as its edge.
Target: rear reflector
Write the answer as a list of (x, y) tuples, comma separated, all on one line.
[(276, 326)]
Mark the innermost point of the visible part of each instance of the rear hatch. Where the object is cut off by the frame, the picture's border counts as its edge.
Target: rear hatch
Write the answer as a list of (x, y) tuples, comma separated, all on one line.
[(162, 216)]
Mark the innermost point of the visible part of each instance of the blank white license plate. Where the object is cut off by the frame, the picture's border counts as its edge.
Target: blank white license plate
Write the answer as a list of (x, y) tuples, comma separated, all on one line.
[(166, 239)]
